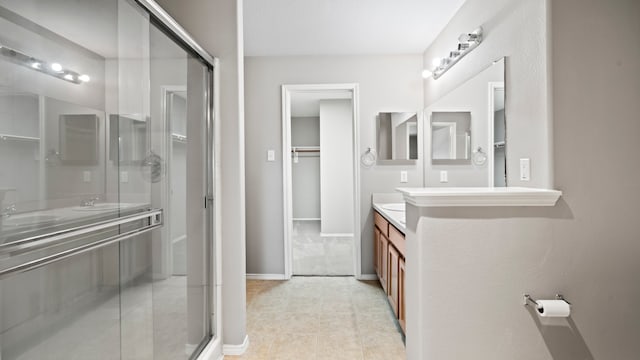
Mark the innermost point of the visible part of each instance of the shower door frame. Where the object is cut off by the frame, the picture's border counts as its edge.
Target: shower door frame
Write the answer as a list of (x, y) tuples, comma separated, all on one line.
[(287, 90)]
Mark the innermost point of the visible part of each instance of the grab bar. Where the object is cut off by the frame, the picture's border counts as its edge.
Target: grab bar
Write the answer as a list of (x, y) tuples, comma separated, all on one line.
[(155, 222), (48, 239)]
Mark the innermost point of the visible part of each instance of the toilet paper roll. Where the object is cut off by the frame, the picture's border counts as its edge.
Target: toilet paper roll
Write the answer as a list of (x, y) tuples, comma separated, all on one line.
[(553, 308)]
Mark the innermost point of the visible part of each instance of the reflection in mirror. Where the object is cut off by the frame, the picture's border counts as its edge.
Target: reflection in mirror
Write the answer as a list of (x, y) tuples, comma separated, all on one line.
[(397, 137), (499, 137), (467, 134), (127, 139), (450, 137), (78, 140)]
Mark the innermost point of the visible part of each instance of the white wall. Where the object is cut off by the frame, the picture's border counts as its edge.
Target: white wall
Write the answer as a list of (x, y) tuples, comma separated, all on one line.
[(387, 83), (336, 167), (516, 29), (585, 247)]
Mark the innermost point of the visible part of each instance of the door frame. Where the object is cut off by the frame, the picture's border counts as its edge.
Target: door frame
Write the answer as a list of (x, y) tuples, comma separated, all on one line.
[(287, 91)]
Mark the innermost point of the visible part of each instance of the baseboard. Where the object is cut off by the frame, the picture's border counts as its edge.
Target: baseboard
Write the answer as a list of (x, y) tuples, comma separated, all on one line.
[(228, 349), (213, 351), (368, 277), (266, 277)]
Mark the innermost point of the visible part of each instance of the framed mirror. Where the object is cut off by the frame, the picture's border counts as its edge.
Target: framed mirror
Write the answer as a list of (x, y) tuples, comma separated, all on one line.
[(397, 138), (466, 132)]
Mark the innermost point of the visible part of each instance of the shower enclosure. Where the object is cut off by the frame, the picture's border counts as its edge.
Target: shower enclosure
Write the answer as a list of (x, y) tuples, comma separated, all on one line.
[(106, 183)]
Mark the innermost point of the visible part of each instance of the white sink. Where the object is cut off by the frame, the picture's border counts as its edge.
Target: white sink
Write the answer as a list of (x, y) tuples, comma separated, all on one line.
[(102, 207), (29, 220), (394, 207)]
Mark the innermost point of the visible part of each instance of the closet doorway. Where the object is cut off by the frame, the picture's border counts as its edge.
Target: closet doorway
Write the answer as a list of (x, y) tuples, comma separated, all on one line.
[(321, 180)]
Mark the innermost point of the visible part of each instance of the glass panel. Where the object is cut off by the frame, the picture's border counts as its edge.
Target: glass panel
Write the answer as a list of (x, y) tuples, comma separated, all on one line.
[(102, 115), (66, 310), (178, 114)]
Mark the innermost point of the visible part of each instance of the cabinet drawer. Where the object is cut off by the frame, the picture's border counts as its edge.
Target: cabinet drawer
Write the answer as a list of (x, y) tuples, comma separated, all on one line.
[(397, 239), (381, 223)]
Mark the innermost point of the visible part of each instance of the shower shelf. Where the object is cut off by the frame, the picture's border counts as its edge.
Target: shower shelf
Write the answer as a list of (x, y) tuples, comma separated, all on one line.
[(18, 137)]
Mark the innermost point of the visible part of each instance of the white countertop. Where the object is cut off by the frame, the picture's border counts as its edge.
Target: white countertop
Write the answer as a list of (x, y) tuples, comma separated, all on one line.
[(479, 196), (394, 216)]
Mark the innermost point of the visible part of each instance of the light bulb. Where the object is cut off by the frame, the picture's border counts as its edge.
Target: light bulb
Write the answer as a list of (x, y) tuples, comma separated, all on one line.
[(36, 65), (56, 67), (426, 74), (436, 62), (84, 78), (68, 77)]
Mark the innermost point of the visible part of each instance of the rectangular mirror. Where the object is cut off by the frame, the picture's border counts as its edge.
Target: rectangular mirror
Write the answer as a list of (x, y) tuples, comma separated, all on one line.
[(466, 134), (451, 137), (397, 137)]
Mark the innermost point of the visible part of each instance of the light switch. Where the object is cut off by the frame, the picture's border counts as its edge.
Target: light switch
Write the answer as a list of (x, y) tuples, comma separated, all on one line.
[(124, 176), (403, 177), (444, 176), (86, 176), (271, 155), (525, 169)]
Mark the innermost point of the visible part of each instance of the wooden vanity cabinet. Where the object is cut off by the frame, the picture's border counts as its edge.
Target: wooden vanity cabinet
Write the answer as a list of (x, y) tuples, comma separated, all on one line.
[(376, 250), (401, 304), (389, 262), (384, 262), (394, 267)]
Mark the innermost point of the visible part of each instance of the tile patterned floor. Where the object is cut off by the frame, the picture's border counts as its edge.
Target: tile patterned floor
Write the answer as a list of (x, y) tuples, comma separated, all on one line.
[(318, 318), (316, 255)]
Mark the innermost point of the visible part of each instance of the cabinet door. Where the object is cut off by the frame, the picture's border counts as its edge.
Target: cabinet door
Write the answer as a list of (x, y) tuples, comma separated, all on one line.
[(376, 251), (401, 306), (392, 290), (384, 261)]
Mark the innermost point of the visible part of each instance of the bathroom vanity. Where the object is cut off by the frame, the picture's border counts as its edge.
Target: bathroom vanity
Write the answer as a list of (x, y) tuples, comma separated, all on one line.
[(389, 254)]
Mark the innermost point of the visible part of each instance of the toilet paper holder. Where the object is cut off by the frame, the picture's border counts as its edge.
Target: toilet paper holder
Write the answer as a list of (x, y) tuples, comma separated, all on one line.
[(528, 300)]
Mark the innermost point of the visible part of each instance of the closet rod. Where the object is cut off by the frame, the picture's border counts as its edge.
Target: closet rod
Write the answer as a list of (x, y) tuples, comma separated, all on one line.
[(304, 150)]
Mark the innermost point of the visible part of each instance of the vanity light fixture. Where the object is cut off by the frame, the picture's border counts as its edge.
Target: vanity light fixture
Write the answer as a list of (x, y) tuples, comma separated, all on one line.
[(53, 69), (426, 73), (466, 43), (56, 67)]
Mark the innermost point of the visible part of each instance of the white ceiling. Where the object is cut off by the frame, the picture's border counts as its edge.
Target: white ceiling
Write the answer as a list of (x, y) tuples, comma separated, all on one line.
[(343, 27), (307, 104)]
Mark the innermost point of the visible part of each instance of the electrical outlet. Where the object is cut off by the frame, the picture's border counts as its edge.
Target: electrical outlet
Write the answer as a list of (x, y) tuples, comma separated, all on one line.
[(525, 169), (124, 176), (444, 176), (271, 155), (403, 177), (86, 176)]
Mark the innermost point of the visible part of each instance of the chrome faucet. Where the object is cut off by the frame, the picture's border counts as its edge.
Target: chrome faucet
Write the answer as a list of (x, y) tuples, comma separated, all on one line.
[(90, 201), (8, 211)]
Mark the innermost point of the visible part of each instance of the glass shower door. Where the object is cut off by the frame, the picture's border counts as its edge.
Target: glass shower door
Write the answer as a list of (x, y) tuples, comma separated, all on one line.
[(105, 166)]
